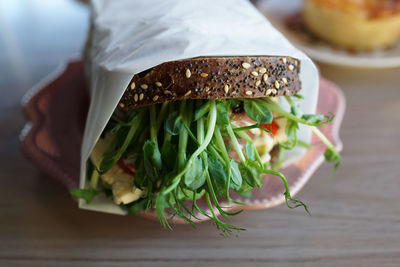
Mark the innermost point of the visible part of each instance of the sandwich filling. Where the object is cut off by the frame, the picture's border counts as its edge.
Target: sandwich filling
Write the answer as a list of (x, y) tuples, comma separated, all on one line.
[(203, 127), (166, 155), (119, 177)]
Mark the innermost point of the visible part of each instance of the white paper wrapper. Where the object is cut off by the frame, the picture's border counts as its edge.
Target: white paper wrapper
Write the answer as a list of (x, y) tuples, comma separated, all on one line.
[(130, 36)]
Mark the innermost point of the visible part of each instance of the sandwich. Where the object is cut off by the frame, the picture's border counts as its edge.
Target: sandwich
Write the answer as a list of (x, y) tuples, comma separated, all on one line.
[(359, 25), (201, 128)]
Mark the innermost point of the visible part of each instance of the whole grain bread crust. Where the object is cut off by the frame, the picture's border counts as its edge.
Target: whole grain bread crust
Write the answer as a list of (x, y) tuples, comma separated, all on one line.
[(213, 78)]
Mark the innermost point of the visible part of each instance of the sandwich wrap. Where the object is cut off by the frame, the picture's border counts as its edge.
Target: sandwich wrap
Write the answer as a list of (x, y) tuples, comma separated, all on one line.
[(130, 36)]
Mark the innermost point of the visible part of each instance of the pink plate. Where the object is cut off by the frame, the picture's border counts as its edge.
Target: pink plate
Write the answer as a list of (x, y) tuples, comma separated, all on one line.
[(57, 108)]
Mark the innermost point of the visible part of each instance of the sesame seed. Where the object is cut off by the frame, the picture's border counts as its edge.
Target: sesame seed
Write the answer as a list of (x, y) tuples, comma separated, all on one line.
[(135, 97), (262, 70), (269, 92), (167, 92), (249, 92), (284, 80), (226, 88), (207, 88), (155, 98), (290, 67), (274, 91), (204, 75), (188, 73), (133, 85), (296, 62), (144, 86), (265, 78), (284, 60), (246, 65), (158, 84), (254, 73), (277, 85), (258, 83), (141, 96), (122, 105), (188, 93)]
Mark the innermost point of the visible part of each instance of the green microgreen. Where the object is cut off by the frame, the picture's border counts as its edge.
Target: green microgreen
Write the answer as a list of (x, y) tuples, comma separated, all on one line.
[(257, 112), (86, 194), (290, 202), (174, 123), (191, 149), (298, 96), (120, 144)]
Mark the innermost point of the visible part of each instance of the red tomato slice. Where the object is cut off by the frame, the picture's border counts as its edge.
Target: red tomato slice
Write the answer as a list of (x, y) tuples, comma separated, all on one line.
[(241, 119), (126, 167), (273, 127)]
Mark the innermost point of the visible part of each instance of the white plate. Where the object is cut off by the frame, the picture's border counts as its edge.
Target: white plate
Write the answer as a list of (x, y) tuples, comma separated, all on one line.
[(277, 11)]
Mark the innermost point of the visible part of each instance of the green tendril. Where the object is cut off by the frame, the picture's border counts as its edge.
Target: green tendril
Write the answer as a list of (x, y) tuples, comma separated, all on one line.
[(192, 149), (290, 202)]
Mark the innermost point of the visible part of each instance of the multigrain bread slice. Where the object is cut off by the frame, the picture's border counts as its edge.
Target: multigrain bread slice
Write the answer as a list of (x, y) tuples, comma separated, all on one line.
[(213, 78)]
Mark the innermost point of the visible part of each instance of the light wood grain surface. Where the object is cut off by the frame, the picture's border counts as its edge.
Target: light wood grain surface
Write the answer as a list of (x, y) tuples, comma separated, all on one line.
[(355, 217)]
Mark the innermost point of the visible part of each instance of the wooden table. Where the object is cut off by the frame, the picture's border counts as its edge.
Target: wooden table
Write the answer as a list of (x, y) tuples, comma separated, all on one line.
[(355, 217)]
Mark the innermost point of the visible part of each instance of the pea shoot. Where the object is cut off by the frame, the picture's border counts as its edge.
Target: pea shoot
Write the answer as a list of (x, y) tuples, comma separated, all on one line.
[(192, 149)]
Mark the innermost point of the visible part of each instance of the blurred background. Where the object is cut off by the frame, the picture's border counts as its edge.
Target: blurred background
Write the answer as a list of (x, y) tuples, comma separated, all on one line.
[(355, 217)]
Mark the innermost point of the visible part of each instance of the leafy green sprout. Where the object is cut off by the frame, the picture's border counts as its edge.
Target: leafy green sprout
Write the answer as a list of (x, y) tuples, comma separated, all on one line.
[(187, 155)]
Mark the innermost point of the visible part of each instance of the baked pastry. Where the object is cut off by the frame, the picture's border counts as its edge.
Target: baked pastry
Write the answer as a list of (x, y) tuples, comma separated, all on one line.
[(360, 25)]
